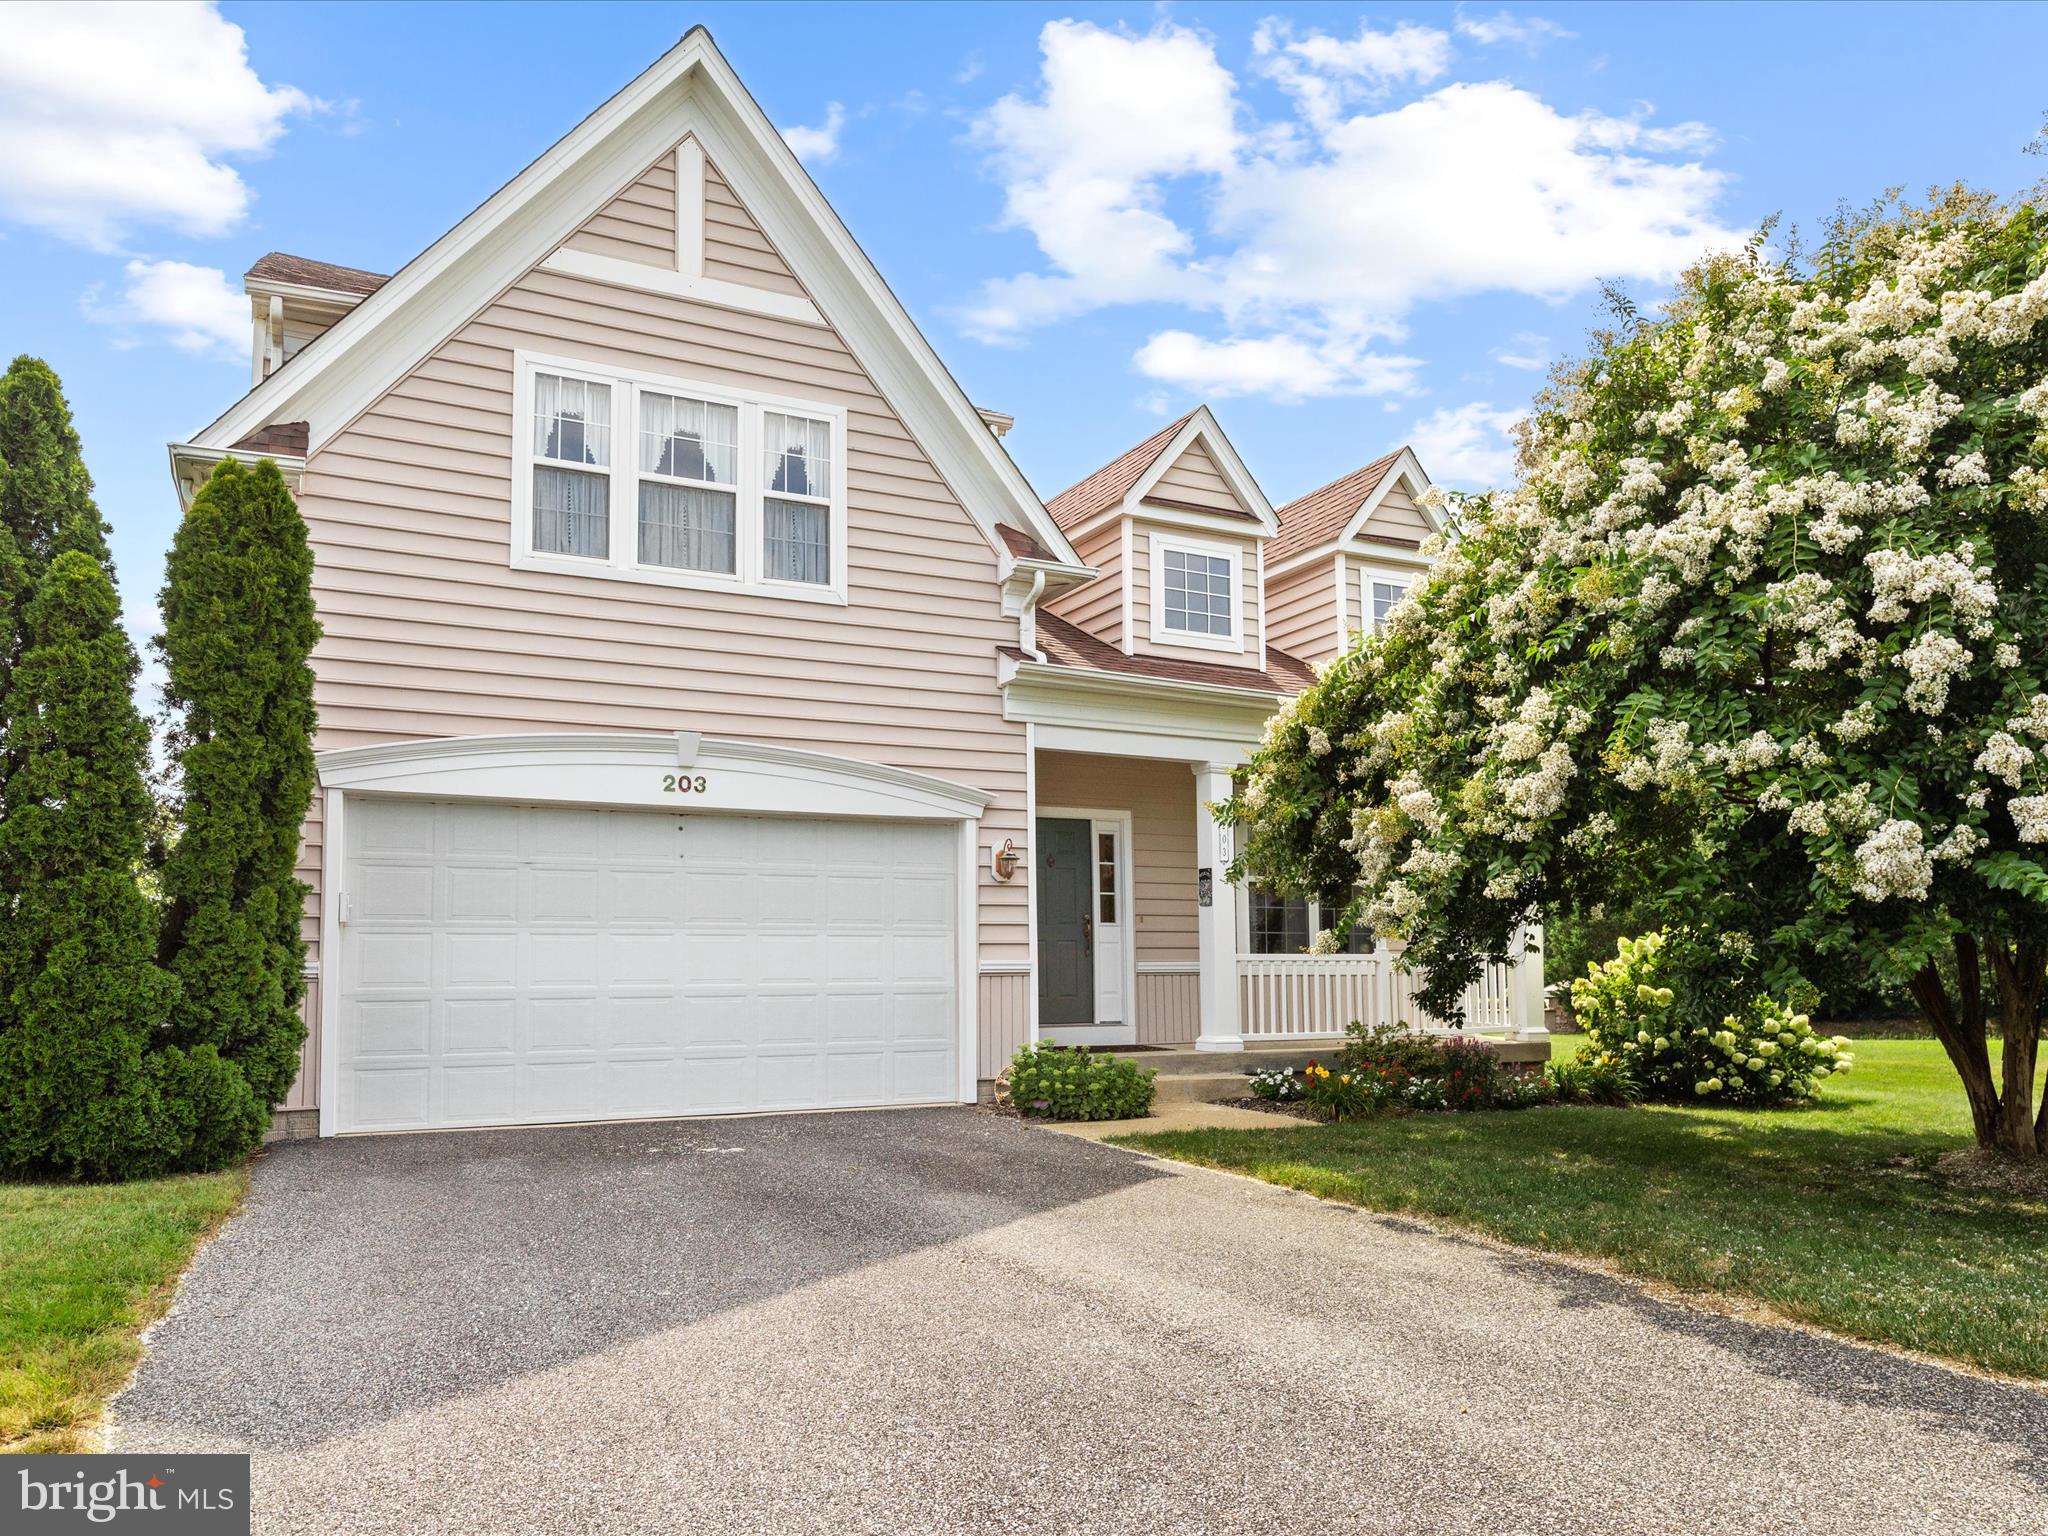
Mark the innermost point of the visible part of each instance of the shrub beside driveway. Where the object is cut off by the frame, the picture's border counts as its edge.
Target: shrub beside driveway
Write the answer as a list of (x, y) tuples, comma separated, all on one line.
[(1834, 1214), (84, 1268)]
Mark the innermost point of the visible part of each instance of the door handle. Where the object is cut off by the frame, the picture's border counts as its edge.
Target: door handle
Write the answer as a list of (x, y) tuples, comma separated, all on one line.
[(1088, 935)]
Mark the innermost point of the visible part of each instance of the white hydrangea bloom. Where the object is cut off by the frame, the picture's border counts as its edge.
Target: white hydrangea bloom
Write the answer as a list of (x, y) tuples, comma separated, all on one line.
[(1891, 861), (1931, 663), (2004, 757)]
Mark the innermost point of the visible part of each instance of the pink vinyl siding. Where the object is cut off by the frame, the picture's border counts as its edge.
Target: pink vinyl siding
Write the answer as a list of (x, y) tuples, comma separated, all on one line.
[(735, 250), (1301, 610), (1002, 1018), (639, 224), (1396, 517), (1194, 480), (1098, 607)]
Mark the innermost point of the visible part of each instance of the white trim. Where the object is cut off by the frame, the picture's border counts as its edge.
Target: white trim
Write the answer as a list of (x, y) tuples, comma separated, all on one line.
[(1159, 543), (1125, 1031), (679, 285), (1112, 714), (1004, 968), (191, 467), (622, 564), (333, 860), (689, 92), (1406, 470), (1169, 967), (626, 769), (690, 208), (1216, 925)]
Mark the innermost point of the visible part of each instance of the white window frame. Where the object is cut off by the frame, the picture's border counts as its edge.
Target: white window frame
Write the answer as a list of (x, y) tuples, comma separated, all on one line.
[(749, 523), (1367, 575), (1160, 543)]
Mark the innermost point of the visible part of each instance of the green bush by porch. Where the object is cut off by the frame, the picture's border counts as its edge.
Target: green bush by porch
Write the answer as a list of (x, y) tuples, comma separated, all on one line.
[(1064, 1083), (1833, 1214)]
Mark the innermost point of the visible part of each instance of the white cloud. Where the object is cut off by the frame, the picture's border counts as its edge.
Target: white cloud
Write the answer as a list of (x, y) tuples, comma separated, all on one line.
[(1525, 350), (1144, 178), (195, 308), (1530, 32), (1324, 73), (1283, 368), (118, 116), (1467, 445), (819, 145)]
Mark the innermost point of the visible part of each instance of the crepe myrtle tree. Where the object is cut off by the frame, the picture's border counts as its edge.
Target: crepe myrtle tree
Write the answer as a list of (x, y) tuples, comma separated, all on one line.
[(1760, 636)]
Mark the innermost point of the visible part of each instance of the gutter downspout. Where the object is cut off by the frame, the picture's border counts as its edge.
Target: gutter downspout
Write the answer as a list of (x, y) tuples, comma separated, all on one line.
[(1027, 619)]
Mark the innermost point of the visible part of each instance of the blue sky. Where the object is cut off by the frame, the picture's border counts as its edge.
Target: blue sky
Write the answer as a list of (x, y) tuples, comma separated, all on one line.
[(1318, 218)]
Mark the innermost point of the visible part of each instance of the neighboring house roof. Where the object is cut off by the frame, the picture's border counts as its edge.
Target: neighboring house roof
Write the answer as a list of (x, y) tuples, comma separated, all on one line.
[(691, 91), (1068, 645), (287, 437), (304, 272), (1108, 485)]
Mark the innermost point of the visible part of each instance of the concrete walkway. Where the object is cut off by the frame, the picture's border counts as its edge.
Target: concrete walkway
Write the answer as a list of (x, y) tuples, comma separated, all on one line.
[(1170, 1116), (942, 1321)]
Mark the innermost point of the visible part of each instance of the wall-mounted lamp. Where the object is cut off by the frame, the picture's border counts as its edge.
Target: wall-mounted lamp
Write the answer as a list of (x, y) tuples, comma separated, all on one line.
[(1005, 859)]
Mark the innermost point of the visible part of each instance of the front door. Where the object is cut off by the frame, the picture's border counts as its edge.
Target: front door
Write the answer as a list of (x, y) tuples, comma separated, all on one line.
[(1066, 926)]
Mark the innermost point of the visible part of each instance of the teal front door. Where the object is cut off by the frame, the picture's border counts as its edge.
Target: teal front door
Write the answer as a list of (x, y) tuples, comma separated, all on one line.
[(1066, 928)]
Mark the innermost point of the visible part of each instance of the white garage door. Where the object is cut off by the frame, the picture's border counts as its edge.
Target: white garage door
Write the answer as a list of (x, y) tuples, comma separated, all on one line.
[(505, 964)]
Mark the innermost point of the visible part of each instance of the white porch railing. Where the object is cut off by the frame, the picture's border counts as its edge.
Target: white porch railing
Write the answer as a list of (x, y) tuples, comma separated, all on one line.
[(1303, 997)]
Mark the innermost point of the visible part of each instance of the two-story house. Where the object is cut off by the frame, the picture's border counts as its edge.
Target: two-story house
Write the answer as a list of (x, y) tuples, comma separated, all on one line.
[(712, 718)]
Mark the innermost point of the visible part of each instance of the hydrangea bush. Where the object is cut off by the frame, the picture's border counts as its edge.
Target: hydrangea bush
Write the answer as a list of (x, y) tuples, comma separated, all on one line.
[(1068, 1083), (1763, 1054), (1760, 637)]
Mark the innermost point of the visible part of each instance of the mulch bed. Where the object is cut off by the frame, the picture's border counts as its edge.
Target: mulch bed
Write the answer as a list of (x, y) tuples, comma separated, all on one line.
[(1294, 1108)]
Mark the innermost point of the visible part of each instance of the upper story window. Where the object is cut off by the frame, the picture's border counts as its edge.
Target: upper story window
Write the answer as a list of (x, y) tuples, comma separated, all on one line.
[(1196, 593), (1382, 590), (640, 478)]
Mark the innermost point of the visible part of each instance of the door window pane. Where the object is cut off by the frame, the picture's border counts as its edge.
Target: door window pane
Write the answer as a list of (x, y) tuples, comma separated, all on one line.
[(1105, 876)]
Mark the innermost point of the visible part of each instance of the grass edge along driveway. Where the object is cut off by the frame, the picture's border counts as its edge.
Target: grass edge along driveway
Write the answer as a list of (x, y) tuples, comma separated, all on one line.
[(1830, 1214), (84, 1268)]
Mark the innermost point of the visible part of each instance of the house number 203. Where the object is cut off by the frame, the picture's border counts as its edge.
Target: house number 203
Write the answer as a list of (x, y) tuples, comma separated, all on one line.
[(683, 783)]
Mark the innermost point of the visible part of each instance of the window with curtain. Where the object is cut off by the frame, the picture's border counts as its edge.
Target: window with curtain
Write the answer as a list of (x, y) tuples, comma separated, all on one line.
[(1197, 592), (572, 425), (796, 509), (689, 466)]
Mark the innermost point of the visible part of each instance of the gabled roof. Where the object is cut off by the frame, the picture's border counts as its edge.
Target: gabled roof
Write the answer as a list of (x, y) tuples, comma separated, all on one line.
[(1066, 644), (1332, 513), (1106, 487), (691, 91), (1127, 480), (304, 272)]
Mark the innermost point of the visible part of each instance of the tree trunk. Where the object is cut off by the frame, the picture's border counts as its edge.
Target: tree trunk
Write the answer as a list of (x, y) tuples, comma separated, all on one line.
[(1959, 1025), (2021, 975)]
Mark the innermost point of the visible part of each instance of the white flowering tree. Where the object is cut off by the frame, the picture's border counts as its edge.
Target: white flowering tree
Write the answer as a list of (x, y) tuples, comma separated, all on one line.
[(1761, 636)]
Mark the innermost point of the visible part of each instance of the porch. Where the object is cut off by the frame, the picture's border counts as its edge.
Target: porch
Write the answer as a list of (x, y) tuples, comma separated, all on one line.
[(1140, 940)]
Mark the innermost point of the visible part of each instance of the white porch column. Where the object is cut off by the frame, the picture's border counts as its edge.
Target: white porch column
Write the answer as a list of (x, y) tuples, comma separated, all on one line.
[(1216, 923), (1529, 996)]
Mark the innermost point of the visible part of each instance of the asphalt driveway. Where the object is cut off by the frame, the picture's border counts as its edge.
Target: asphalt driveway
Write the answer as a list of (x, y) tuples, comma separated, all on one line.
[(941, 1321)]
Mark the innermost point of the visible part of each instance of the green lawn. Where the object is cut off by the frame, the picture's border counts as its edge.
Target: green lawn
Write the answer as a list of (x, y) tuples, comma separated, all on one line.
[(83, 1269), (1829, 1214)]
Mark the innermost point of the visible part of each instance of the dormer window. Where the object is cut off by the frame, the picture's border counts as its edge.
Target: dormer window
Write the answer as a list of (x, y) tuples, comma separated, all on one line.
[(1381, 591), (1196, 593)]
